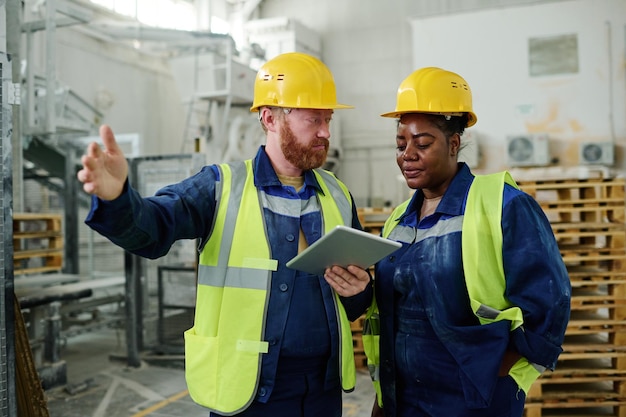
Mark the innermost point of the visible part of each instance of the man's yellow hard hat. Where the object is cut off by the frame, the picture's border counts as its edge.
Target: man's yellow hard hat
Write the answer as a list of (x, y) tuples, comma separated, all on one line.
[(295, 80)]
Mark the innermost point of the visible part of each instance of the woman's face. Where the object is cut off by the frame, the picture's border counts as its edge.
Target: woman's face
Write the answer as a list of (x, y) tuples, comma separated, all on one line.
[(427, 159)]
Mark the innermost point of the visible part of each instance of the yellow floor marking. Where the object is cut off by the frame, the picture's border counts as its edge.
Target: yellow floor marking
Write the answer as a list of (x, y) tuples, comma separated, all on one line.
[(162, 404)]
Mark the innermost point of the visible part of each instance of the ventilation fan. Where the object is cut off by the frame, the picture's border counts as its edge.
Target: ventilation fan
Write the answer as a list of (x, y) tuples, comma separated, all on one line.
[(600, 153), (528, 150)]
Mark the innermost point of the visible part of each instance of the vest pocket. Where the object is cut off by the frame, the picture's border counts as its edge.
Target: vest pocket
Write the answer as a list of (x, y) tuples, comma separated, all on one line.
[(201, 355), (222, 372)]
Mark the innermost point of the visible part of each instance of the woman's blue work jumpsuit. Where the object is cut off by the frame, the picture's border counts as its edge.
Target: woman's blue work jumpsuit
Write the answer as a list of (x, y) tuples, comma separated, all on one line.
[(435, 358)]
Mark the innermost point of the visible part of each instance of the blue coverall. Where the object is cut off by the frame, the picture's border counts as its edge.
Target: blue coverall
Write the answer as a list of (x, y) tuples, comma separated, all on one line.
[(301, 325), (436, 359)]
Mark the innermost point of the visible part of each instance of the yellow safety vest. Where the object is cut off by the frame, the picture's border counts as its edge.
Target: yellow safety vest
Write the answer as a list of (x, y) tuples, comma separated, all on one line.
[(223, 349), (482, 263), (481, 237)]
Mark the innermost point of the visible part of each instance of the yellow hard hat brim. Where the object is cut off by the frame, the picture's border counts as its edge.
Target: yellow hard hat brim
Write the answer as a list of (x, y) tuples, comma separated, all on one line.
[(472, 119), (337, 106)]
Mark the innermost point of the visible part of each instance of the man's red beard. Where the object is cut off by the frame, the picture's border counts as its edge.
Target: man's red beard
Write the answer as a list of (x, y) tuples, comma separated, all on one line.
[(299, 155)]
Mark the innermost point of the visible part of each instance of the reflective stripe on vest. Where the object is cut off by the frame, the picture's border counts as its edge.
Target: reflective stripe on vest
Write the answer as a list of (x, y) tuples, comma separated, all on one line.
[(223, 349)]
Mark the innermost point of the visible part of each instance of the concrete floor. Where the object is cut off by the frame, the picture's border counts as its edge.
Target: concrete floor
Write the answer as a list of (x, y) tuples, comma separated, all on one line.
[(101, 385)]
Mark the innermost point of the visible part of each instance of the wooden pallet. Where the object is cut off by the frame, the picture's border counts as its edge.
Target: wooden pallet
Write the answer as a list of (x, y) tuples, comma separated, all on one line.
[(581, 200), (38, 244), (594, 276), (360, 360), (373, 218), (357, 342), (543, 190)]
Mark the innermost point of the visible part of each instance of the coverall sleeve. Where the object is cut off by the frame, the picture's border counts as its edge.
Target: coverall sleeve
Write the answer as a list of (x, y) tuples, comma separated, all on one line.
[(536, 279), (149, 226)]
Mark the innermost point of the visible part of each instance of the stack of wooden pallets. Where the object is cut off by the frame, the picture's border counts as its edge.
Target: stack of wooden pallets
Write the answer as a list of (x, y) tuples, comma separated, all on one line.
[(587, 217), (357, 342), (373, 218), (37, 243)]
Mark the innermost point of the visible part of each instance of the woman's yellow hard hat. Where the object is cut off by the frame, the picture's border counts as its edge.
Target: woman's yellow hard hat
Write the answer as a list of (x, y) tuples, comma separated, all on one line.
[(434, 90)]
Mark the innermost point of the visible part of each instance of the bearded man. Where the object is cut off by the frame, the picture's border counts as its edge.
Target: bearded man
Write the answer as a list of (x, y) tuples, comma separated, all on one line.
[(267, 340)]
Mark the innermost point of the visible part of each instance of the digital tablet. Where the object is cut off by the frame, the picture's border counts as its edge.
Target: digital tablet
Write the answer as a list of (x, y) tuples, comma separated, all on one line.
[(343, 246)]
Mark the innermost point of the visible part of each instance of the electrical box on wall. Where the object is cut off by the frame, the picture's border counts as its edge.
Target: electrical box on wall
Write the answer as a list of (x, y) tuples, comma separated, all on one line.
[(600, 153), (528, 150)]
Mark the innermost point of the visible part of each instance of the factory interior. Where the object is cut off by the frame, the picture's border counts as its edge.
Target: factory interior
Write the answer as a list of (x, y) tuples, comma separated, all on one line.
[(89, 330)]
